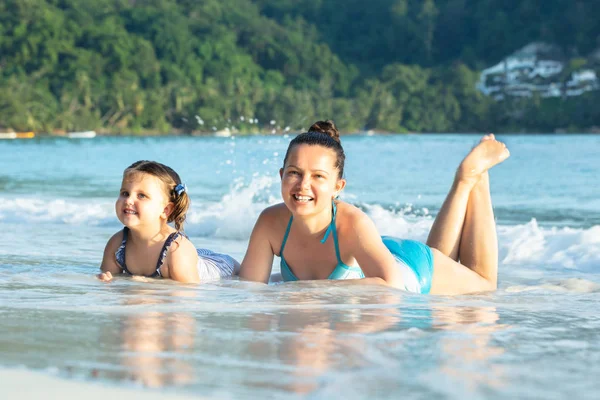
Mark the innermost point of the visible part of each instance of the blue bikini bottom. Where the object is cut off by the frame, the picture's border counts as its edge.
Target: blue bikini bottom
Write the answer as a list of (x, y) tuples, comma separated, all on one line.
[(415, 260)]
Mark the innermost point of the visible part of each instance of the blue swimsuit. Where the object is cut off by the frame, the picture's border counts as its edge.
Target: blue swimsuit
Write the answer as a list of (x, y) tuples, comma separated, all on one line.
[(415, 260), (120, 254), (210, 265), (341, 271)]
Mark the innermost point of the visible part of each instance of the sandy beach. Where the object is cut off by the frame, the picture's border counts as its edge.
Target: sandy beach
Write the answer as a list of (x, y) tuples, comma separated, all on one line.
[(26, 385)]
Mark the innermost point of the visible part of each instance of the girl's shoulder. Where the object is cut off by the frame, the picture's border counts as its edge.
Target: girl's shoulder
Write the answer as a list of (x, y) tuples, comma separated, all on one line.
[(181, 259), (115, 241), (181, 241)]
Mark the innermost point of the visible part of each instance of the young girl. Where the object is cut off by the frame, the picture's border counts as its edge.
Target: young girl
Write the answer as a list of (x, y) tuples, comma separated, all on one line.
[(151, 196), (320, 237)]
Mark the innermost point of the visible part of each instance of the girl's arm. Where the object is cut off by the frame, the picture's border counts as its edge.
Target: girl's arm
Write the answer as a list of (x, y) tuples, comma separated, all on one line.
[(109, 266), (258, 261), (376, 261), (183, 262)]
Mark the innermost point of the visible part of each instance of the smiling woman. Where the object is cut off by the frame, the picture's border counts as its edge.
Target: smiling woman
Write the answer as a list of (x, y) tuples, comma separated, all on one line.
[(324, 238)]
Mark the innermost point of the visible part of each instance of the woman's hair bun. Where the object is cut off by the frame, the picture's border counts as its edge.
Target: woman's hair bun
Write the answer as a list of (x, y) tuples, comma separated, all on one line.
[(327, 127)]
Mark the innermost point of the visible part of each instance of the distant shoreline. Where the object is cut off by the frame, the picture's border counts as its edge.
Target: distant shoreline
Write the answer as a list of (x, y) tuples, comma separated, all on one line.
[(16, 135)]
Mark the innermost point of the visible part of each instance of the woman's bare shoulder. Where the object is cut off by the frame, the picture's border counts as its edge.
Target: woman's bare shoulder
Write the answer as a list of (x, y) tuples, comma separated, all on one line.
[(352, 221), (348, 213), (274, 214)]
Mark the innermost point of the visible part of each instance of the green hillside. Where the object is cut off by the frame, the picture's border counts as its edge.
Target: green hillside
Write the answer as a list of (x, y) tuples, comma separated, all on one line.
[(188, 65)]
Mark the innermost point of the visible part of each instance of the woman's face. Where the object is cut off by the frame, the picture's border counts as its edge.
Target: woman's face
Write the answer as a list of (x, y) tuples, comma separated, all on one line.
[(309, 179)]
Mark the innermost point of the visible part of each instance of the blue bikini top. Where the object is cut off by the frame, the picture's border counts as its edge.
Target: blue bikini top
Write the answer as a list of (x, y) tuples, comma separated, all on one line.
[(341, 271), (120, 253)]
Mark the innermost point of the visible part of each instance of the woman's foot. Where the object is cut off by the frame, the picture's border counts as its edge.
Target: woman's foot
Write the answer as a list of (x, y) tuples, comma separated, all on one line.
[(482, 157)]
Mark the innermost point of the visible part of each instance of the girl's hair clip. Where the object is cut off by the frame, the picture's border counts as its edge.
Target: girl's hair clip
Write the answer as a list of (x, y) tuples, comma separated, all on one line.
[(180, 188)]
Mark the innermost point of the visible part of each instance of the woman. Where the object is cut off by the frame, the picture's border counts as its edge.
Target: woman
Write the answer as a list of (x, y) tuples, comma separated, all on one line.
[(320, 237)]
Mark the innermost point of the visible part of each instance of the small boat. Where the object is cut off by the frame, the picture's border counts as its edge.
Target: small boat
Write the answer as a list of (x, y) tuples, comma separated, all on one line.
[(25, 135), (223, 133), (17, 135), (82, 135), (8, 135)]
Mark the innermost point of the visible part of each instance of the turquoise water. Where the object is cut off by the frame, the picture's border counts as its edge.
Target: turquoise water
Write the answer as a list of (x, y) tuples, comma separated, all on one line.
[(537, 336)]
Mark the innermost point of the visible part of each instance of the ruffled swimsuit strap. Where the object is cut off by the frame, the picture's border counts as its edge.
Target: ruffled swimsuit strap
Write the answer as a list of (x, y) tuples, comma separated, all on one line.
[(164, 251), (120, 253)]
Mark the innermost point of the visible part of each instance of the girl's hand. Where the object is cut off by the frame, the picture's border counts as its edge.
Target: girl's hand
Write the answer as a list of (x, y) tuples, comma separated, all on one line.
[(105, 276)]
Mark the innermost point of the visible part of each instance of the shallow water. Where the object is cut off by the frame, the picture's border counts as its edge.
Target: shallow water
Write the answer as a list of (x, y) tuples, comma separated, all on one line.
[(537, 336)]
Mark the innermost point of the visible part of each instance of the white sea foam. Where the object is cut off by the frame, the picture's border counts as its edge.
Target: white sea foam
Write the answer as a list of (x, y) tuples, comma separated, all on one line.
[(570, 285), (529, 244), (233, 217), (401, 223), (68, 211)]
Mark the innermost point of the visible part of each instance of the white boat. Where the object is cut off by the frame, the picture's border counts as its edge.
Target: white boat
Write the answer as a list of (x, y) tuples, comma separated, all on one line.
[(8, 135), (223, 133), (17, 135), (81, 135)]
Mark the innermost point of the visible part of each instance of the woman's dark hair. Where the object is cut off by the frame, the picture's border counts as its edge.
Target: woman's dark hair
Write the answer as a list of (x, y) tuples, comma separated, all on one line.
[(322, 133), (170, 180)]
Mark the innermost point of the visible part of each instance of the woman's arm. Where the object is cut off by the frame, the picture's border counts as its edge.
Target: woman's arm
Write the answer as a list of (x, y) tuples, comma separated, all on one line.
[(376, 261), (109, 266), (258, 261)]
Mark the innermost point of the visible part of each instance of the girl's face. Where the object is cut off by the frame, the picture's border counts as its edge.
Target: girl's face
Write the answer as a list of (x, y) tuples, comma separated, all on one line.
[(142, 201), (309, 179)]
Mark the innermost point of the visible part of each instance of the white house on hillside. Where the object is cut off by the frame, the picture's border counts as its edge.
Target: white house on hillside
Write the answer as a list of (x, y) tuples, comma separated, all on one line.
[(529, 71)]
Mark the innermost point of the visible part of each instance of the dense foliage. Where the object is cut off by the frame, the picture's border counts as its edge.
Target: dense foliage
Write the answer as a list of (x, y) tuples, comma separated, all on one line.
[(198, 65)]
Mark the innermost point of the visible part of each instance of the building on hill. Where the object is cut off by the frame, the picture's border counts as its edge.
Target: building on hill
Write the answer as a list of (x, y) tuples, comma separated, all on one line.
[(536, 68)]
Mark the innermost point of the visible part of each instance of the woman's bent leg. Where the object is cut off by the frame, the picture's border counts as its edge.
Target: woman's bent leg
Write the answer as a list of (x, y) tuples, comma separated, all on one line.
[(447, 229), (475, 244), (448, 225), (479, 242), (451, 277)]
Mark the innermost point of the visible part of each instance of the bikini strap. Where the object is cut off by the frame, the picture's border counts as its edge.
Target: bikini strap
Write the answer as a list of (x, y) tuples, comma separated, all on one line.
[(121, 251), (330, 229), (287, 232), (164, 251)]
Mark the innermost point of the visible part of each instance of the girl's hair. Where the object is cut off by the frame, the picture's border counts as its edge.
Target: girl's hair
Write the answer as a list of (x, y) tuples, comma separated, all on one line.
[(322, 133), (170, 180)]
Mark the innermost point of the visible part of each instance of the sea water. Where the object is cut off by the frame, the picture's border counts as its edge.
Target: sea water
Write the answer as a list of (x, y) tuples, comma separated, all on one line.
[(64, 332)]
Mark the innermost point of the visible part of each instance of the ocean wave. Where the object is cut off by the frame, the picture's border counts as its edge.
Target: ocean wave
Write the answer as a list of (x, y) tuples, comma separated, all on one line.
[(66, 211), (554, 247), (233, 217), (524, 245), (570, 285)]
